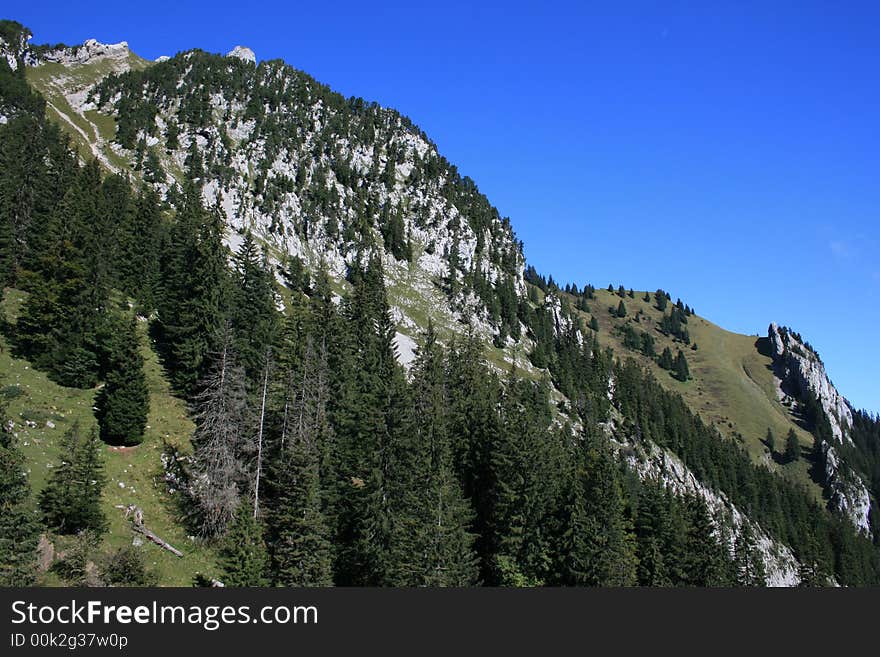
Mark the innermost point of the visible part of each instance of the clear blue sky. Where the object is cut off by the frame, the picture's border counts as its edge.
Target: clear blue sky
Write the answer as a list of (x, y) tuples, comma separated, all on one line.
[(727, 152)]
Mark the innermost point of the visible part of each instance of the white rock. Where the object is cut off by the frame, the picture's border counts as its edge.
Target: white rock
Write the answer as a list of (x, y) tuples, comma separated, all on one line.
[(243, 53)]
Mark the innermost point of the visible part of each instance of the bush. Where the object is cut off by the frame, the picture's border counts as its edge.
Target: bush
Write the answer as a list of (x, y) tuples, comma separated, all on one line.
[(126, 567)]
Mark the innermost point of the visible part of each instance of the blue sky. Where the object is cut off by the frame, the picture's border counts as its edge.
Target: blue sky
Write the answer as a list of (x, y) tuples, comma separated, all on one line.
[(728, 152)]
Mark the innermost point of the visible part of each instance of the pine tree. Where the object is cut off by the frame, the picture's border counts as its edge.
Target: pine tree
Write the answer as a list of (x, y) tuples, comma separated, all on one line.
[(194, 297), (748, 563), (367, 410), (429, 542), (621, 309), (242, 553), (124, 401), (299, 533), (656, 562), (71, 501), (665, 361), (68, 288), (19, 527), (705, 560), (680, 367), (594, 324), (140, 243), (770, 441), (792, 447), (522, 462), (474, 425), (302, 554), (254, 315), (661, 299), (599, 542)]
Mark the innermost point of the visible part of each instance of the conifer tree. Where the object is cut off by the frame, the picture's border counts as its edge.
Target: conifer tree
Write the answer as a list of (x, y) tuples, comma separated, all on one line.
[(770, 441), (621, 309), (71, 501), (124, 401), (68, 287), (302, 554), (680, 367), (665, 361), (599, 542), (254, 315), (140, 243), (367, 410), (243, 552), (429, 542), (705, 560), (474, 425), (300, 476), (661, 299), (194, 292), (792, 447), (19, 527), (594, 324), (522, 462), (748, 563), (654, 537)]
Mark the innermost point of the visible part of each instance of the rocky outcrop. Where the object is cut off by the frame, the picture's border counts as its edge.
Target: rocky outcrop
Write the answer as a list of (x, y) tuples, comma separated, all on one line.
[(800, 369), (15, 50), (89, 51), (651, 462), (562, 319), (243, 53), (848, 494)]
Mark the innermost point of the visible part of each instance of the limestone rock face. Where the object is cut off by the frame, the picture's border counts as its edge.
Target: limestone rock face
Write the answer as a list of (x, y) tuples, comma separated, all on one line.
[(849, 495), (654, 463), (90, 50), (243, 53), (11, 52), (799, 368), (562, 321)]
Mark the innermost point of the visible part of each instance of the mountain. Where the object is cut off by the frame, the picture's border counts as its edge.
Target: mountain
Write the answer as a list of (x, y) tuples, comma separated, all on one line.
[(602, 417)]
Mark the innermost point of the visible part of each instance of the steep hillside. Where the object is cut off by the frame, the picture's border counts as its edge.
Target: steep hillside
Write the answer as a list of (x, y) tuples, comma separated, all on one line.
[(732, 385), (744, 386), (40, 411)]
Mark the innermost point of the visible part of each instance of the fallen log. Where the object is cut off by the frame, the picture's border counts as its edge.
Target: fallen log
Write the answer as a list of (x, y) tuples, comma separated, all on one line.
[(137, 524)]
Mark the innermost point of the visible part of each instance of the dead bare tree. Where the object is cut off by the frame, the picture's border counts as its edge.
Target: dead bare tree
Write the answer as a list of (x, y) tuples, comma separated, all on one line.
[(267, 366), (219, 441)]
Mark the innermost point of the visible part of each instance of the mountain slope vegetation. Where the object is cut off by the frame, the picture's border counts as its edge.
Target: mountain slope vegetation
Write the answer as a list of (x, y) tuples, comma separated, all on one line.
[(353, 378)]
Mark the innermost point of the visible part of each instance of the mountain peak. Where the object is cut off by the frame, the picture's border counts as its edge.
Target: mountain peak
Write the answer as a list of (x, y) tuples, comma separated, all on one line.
[(243, 53)]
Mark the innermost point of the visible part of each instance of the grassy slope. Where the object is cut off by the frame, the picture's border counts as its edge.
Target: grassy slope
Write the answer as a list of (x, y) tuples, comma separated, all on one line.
[(732, 385), (138, 468), (55, 81)]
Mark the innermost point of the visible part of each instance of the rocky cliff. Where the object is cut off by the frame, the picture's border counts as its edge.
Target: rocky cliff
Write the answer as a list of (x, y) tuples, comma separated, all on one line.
[(801, 373), (800, 370)]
